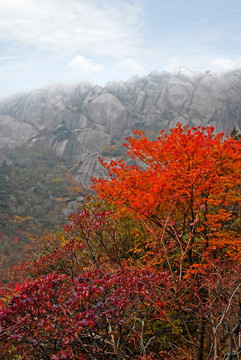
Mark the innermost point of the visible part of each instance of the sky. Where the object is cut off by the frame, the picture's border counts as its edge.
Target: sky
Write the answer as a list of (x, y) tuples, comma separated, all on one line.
[(49, 41)]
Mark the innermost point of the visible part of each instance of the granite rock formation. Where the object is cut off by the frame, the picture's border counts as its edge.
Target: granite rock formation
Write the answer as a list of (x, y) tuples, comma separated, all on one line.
[(77, 122)]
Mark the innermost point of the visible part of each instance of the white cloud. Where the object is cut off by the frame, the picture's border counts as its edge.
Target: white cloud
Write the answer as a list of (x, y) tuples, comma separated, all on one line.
[(104, 27), (82, 65), (224, 64), (131, 64), (7, 58), (200, 22), (174, 63)]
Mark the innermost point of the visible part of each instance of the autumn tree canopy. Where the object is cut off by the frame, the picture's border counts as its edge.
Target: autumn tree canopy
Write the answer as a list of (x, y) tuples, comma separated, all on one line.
[(148, 269), (187, 183)]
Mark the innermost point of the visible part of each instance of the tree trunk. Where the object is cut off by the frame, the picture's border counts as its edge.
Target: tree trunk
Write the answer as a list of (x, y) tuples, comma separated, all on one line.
[(201, 339)]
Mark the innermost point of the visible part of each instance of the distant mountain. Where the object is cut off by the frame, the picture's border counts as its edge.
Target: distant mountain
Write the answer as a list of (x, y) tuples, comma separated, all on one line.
[(80, 122)]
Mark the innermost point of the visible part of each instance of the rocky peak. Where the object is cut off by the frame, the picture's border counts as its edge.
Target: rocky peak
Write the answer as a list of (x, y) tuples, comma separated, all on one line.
[(77, 121)]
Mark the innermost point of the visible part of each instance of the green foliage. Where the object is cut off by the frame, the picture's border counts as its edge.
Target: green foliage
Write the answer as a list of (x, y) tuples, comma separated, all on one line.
[(234, 134), (113, 150), (36, 184), (62, 133), (4, 187)]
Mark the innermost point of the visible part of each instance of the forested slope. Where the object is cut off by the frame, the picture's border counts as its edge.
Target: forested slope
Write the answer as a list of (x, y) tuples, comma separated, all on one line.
[(149, 268)]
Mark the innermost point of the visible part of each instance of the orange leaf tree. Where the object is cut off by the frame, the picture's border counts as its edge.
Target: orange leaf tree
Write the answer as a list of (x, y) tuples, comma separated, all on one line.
[(186, 189)]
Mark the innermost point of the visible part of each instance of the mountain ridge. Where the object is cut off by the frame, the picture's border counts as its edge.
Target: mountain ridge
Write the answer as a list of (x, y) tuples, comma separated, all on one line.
[(78, 121)]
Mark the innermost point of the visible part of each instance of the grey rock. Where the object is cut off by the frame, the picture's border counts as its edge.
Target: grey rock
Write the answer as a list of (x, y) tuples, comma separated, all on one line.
[(77, 121)]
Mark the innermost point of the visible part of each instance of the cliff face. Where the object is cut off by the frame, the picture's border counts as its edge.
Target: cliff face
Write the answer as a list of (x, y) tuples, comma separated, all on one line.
[(77, 122)]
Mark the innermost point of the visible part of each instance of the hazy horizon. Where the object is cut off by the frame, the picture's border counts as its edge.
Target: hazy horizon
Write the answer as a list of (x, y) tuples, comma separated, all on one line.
[(58, 41)]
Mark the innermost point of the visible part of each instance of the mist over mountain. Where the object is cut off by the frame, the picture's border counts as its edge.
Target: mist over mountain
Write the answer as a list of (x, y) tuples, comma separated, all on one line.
[(80, 122)]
